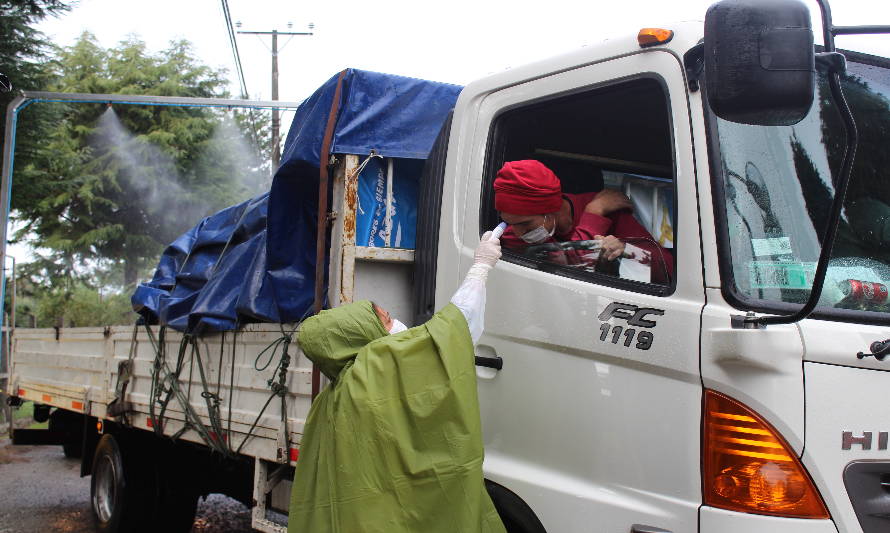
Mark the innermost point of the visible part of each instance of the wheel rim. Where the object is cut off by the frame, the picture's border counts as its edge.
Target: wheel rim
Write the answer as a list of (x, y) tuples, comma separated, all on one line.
[(105, 494)]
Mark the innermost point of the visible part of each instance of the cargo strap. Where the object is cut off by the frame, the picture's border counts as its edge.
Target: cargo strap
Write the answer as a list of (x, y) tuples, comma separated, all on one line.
[(323, 219), (119, 407), (166, 385), (279, 388)]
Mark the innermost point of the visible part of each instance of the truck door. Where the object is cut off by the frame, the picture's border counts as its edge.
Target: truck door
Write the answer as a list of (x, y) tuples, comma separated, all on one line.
[(594, 418)]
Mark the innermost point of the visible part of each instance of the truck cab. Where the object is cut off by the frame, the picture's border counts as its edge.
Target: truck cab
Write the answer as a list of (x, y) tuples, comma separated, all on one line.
[(653, 394), (645, 404)]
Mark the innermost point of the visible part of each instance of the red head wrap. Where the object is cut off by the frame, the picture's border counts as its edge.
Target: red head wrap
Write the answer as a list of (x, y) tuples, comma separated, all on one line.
[(527, 188)]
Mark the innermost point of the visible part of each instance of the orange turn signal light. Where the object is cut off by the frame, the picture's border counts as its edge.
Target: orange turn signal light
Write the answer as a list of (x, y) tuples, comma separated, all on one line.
[(748, 466), (654, 36)]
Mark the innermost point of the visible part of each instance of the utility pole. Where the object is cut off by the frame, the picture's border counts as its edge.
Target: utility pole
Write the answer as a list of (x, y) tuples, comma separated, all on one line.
[(276, 120)]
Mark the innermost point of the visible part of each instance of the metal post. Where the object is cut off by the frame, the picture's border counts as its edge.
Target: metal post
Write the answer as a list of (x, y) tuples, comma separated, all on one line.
[(12, 298), (5, 180), (276, 123)]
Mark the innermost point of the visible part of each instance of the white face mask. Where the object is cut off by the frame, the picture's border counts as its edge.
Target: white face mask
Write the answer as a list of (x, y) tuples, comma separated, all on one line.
[(539, 234), (397, 327)]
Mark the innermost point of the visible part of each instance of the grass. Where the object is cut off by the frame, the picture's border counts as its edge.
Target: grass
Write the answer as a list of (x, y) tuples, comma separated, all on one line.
[(27, 411)]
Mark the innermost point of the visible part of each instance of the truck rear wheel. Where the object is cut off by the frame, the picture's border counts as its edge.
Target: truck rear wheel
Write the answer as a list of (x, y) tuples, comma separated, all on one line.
[(118, 493)]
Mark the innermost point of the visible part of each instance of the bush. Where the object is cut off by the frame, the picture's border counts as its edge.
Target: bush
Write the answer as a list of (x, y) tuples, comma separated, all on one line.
[(84, 306)]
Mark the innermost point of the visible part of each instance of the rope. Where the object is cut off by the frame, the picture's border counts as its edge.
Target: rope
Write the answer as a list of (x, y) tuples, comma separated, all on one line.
[(364, 163), (166, 385), (279, 388), (165, 380), (212, 400)]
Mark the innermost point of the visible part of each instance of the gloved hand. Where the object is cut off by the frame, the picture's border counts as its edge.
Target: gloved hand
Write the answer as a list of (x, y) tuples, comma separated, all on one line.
[(488, 251), (487, 254)]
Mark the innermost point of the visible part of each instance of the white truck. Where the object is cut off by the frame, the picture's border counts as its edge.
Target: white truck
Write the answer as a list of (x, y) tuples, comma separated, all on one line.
[(608, 404)]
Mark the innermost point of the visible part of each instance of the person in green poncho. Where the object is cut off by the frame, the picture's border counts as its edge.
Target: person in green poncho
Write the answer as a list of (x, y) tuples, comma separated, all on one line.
[(394, 443)]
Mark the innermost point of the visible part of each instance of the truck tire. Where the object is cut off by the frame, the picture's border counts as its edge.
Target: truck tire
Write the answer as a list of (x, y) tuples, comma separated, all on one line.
[(119, 495), (516, 515)]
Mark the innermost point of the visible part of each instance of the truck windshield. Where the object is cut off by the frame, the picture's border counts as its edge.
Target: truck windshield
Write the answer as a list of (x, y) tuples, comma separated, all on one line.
[(777, 193)]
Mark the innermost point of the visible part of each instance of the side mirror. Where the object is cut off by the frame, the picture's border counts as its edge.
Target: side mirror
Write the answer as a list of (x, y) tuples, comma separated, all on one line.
[(759, 61), (5, 84)]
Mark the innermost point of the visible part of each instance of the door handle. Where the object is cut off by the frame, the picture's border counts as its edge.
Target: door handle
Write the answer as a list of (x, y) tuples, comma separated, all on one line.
[(640, 528), (490, 362)]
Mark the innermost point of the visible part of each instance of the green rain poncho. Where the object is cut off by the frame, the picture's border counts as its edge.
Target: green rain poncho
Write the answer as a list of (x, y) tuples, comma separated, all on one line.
[(394, 443)]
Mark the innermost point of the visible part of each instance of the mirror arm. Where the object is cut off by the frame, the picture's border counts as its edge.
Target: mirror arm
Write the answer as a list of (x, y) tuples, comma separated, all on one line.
[(831, 62), (827, 25), (694, 65), (859, 30), (829, 30), (837, 206)]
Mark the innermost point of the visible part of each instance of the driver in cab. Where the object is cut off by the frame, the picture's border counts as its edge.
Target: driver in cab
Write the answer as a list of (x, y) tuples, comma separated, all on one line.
[(529, 197)]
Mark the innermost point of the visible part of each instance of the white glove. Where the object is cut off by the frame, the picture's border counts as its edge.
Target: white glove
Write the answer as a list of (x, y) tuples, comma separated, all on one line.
[(470, 296), (488, 252)]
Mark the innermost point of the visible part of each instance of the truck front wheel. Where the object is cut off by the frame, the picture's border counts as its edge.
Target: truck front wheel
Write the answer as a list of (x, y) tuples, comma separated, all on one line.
[(117, 490)]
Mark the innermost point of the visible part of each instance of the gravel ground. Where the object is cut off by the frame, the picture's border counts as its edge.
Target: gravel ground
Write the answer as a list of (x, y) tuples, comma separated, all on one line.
[(42, 491)]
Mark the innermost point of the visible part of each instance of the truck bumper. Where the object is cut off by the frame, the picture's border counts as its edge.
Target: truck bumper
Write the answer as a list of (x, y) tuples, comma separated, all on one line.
[(713, 520)]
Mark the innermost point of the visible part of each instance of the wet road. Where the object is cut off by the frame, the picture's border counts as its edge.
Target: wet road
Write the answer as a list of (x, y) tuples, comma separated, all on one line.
[(41, 491)]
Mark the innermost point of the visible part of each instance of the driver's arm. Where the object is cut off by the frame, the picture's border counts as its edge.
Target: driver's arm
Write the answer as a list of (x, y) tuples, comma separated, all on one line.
[(590, 226), (627, 228)]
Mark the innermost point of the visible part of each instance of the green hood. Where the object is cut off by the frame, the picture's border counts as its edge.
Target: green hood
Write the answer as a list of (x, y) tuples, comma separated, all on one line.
[(394, 443), (332, 338)]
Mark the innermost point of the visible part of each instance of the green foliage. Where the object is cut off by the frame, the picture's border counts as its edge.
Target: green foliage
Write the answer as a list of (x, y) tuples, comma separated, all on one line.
[(46, 296), (24, 57), (100, 191), (110, 187), (83, 306), (26, 412)]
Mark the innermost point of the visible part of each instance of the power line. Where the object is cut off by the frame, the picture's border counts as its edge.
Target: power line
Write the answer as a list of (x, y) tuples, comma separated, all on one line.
[(251, 114), (231, 30)]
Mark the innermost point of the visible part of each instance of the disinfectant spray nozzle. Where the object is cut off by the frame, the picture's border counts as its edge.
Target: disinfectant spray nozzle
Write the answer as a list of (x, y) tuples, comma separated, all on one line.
[(498, 231)]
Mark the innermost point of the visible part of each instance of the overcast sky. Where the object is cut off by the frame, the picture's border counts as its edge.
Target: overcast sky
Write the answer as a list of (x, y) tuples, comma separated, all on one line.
[(453, 41)]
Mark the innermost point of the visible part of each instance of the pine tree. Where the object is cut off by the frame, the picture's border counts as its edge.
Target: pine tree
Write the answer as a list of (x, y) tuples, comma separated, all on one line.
[(112, 186), (24, 57)]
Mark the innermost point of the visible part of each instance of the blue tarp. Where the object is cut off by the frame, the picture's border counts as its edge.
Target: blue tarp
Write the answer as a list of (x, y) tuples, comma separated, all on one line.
[(255, 261)]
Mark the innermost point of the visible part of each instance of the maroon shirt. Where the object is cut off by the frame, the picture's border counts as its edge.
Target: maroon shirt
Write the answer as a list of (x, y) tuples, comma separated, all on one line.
[(621, 224)]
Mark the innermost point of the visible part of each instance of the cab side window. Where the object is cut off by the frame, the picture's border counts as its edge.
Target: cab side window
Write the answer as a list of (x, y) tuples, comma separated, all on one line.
[(610, 149)]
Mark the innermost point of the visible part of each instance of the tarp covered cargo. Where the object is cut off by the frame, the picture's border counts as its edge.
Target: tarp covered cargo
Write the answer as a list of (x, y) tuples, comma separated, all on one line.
[(255, 261)]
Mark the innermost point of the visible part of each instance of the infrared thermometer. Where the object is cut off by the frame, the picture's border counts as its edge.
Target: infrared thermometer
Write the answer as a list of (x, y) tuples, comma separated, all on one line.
[(498, 231)]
